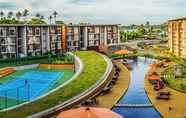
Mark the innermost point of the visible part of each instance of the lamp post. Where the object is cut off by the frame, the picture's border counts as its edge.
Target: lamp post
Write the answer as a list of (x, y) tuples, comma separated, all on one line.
[(73, 52)]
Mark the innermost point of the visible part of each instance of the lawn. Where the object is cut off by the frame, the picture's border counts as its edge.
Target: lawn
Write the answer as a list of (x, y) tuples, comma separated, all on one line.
[(178, 84), (35, 60), (94, 68)]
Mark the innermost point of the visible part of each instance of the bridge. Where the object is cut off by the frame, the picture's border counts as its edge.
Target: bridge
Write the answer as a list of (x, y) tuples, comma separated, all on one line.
[(134, 105)]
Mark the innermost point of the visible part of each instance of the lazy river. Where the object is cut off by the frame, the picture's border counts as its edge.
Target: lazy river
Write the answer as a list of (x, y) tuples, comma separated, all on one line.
[(135, 102)]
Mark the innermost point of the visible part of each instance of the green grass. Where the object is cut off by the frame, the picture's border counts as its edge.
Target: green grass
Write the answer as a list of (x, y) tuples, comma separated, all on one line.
[(94, 67), (34, 60), (178, 84), (5, 103)]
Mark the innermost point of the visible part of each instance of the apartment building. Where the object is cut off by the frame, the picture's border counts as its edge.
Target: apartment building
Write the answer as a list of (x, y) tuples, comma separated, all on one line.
[(91, 36), (29, 40), (177, 36), (34, 40)]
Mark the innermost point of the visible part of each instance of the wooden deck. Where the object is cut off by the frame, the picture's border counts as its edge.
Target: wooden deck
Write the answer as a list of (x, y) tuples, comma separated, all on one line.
[(118, 90), (173, 108)]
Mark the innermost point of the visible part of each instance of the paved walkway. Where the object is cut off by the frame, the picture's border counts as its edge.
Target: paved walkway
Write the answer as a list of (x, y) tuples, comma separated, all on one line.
[(118, 90), (177, 102)]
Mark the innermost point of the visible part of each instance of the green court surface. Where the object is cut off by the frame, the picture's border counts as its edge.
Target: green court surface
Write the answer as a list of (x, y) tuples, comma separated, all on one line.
[(6, 102)]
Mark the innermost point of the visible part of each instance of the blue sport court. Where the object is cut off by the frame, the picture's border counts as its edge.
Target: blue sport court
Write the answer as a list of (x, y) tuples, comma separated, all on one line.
[(30, 85)]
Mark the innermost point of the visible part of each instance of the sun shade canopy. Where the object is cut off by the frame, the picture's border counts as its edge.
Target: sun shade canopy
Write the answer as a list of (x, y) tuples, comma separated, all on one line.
[(89, 112), (121, 52)]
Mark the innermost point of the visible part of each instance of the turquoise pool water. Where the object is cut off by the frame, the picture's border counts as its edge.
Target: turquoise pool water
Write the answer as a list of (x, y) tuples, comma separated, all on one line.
[(136, 94)]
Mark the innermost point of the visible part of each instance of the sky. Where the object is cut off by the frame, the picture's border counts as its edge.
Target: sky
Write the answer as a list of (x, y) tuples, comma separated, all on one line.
[(102, 11)]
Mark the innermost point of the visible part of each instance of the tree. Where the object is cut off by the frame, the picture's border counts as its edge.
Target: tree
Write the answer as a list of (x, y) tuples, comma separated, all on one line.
[(50, 19), (141, 30), (25, 13), (36, 21), (10, 15), (55, 15), (147, 24), (1, 14), (38, 15), (60, 22), (18, 15)]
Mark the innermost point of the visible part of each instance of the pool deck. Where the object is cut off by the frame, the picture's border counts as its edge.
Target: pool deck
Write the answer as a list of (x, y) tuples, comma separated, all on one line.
[(177, 101), (118, 90)]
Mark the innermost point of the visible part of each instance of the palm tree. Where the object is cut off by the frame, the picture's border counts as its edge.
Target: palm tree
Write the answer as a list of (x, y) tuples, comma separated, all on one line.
[(18, 15), (1, 14), (10, 14), (50, 19), (25, 13), (55, 15), (38, 15)]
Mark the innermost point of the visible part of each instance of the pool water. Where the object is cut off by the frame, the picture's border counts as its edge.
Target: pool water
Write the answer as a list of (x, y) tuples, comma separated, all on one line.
[(30, 85), (136, 93), (137, 112)]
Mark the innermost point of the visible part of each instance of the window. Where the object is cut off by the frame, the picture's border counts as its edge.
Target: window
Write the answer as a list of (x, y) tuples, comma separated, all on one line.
[(37, 30), (30, 31), (1, 32), (12, 32)]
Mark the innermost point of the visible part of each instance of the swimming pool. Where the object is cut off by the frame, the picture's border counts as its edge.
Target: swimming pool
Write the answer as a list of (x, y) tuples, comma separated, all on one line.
[(30, 85), (136, 94)]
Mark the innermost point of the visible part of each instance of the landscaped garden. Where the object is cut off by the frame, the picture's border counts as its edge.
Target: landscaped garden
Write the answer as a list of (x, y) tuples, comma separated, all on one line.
[(91, 73), (156, 52), (176, 82), (52, 59)]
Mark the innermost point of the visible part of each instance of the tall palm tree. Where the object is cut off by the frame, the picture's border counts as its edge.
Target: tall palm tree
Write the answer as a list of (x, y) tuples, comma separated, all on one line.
[(18, 15), (1, 14), (50, 19), (25, 13), (55, 15), (38, 15), (10, 15)]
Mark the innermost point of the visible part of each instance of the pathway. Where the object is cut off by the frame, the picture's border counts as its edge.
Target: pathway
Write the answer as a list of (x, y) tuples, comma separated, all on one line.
[(177, 102), (109, 100)]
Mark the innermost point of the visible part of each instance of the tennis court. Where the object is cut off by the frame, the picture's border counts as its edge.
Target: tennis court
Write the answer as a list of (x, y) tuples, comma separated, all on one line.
[(30, 85)]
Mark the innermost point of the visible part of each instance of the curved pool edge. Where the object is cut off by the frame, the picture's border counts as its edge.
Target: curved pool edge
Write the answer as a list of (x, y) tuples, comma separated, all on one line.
[(145, 88), (78, 68), (127, 85), (128, 110), (146, 91)]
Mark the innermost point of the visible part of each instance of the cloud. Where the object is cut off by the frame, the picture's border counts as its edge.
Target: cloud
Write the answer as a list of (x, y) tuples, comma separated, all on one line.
[(108, 11), (14, 4)]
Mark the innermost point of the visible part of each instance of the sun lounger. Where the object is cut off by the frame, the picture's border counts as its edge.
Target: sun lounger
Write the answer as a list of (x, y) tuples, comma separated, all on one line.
[(164, 93), (90, 102), (163, 97)]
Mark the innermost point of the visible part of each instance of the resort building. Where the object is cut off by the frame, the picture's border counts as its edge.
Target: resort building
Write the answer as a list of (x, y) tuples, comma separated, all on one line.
[(29, 40), (177, 36), (35, 40), (85, 37)]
